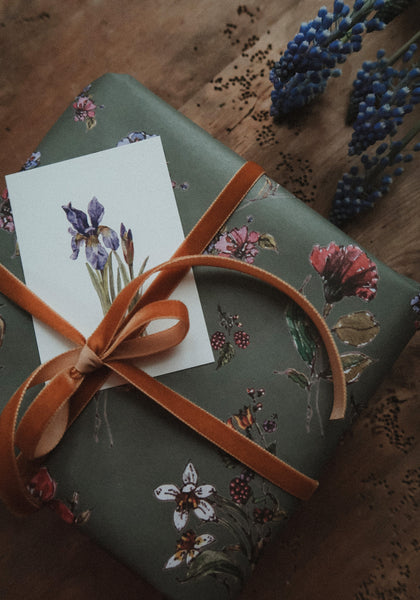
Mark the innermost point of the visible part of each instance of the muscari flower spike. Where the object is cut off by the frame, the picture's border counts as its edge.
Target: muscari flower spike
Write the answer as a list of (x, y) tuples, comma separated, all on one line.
[(311, 58), (385, 95)]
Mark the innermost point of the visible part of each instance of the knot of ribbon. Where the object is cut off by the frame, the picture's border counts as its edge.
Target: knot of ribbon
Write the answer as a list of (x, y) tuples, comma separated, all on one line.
[(88, 361), (73, 378)]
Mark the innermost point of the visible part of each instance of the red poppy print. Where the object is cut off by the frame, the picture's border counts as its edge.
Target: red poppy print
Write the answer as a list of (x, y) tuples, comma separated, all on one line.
[(44, 487), (345, 271)]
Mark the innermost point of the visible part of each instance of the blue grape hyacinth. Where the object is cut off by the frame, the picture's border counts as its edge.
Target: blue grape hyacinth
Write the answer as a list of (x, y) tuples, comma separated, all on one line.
[(321, 44), (385, 95)]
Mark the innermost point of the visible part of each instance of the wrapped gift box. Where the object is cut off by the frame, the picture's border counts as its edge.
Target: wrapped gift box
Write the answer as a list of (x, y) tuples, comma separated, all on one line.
[(166, 502)]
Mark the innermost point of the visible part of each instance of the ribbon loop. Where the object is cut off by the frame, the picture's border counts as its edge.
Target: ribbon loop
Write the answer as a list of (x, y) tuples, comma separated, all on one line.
[(134, 342)]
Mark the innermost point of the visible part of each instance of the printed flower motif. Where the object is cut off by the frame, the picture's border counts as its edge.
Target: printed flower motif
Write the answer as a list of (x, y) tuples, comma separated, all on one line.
[(345, 271), (415, 303), (184, 186), (135, 136), (127, 244), (244, 419), (83, 233), (239, 243), (43, 487), (270, 425), (258, 392), (84, 108), (6, 217), (32, 162), (189, 497), (188, 547)]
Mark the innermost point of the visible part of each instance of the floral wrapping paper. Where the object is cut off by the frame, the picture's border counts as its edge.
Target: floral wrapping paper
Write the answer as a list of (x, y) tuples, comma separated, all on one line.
[(189, 518)]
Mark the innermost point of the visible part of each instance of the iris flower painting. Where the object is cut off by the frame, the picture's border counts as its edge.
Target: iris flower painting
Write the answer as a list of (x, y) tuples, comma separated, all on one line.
[(108, 272)]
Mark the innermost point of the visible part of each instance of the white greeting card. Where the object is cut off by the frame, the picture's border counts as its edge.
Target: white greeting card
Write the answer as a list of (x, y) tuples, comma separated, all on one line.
[(71, 216)]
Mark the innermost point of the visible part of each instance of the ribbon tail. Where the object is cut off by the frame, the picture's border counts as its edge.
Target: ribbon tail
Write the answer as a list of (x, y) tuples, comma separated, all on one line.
[(12, 489), (229, 440), (40, 429)]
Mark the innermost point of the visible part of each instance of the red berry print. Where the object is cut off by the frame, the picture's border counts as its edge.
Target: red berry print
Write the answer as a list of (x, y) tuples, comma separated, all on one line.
[(241, 339), (217, 340), (239, 490), (263, 515)]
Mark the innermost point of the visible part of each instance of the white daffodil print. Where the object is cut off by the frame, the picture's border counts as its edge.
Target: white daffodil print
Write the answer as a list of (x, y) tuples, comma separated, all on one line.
[(246, 518), (188, 547), (189, 497)]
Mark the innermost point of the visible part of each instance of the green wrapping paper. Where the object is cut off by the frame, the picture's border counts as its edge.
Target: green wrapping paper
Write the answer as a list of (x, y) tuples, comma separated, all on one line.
[(187, 517)]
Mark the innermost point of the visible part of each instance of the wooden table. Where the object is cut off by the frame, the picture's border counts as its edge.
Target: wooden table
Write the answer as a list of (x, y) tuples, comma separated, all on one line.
[(359, 538)]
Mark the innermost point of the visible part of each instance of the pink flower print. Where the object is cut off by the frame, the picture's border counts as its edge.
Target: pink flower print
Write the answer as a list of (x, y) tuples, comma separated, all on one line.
[(84, 108), (189, 498), (239, 243)]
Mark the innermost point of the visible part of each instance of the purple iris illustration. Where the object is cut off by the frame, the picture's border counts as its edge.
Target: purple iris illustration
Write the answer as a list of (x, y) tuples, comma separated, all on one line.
[(94, 236)]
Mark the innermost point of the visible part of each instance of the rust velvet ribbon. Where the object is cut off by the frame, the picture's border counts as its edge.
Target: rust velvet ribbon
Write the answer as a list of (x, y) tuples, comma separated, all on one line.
[(72, 378)]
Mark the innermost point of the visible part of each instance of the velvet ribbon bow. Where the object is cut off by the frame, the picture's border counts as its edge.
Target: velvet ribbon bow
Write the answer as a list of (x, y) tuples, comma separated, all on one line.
[(72, 378)]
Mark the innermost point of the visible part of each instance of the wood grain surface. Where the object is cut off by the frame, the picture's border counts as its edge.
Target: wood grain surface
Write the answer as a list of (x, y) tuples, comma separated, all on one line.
[(359, 537)]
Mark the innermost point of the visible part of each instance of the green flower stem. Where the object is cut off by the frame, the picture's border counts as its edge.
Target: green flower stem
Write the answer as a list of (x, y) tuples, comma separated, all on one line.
[(97, 284), (122, 269), (373, 173), (233, 509), (318, 412), (108, 426), (262, 436), (111, 279), (309, 410), (140, 290), (393, 59), (355, 17), (105, 286), (236, 515), (246, 551), (119, 282)]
